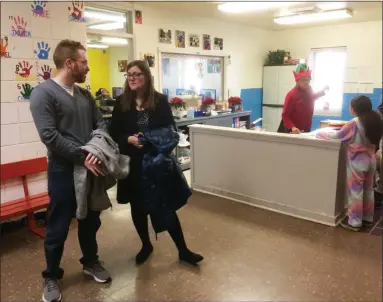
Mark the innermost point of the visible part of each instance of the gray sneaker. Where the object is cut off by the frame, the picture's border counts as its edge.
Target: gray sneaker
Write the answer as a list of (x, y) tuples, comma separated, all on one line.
[(98, 272), (51, 291)]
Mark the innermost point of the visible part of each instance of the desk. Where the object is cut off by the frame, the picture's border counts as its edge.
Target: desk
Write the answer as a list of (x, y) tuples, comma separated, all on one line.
[(295, 175)]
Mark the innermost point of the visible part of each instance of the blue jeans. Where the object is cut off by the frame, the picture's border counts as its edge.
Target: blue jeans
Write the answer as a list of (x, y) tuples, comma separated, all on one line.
[(62, 207)]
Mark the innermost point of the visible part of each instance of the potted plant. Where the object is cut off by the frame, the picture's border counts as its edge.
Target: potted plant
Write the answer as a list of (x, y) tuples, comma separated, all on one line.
[(235, 103), (179, 107), (208, 104), (277, 57)]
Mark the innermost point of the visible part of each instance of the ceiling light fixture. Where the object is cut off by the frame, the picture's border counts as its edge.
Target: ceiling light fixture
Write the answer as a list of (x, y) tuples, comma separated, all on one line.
[(314, 17), (245, 7), (100, 46), (107, 26), (116, 41)]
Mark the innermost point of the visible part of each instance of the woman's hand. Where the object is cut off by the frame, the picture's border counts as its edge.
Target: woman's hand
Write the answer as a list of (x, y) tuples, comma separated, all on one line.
[(133, 140), (295, 130)]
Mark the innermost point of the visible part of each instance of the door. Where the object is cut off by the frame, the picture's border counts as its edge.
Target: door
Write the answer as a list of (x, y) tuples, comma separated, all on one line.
[(270, 84), (271, 118)]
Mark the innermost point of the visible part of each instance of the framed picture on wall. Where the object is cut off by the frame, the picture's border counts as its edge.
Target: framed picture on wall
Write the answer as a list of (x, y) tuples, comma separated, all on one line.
[(122, 64), (138, 17), (165, 91), (180, 39), (165, 36), (218, 44), (194, 40), (206, 42)]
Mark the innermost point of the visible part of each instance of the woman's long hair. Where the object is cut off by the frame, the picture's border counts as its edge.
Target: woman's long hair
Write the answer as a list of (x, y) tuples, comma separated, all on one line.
[(128, 98), (370, 120)]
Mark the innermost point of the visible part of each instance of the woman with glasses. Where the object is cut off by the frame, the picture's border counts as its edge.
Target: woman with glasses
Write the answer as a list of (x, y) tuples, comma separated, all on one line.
[(140, 110)]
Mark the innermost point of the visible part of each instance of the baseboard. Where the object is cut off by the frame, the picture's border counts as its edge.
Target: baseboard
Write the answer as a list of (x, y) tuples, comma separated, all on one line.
[(272, 206)]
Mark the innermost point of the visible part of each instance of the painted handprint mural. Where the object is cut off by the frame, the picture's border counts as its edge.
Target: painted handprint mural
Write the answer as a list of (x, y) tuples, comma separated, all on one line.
[(23, 71), (19, 28), (4, 47), (76, 11), (39, 9), (25, 91), (45, 72), (42, 51)]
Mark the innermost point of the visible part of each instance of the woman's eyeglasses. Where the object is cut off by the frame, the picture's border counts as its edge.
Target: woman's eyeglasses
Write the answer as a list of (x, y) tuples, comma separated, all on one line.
[(131, 76)]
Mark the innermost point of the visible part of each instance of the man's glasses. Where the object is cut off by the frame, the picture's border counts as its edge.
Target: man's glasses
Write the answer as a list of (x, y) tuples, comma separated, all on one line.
[(134, 76)]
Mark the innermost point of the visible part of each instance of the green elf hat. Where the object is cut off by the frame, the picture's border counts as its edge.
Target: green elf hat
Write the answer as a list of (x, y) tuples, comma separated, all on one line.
[(301, 71)]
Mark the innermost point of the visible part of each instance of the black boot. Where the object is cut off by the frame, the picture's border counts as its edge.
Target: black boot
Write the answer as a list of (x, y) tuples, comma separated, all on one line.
[(144, 254), (190, 257), (185, 255)]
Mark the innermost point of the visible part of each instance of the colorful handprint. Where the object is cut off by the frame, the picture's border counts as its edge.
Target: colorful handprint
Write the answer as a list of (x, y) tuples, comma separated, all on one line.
[(25, 90), (76, 11), (46, 72), (20, 27), (39, 8), (3, 47), (23, 69), (42, 50)]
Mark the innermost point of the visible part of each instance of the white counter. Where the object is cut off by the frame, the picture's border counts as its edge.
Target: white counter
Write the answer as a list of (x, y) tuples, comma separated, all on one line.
[(292, 174)]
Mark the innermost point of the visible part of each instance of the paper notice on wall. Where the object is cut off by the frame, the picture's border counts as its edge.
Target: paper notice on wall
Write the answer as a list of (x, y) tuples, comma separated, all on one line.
[(350, 87), (365, 75), (366, 88), (351, 75)]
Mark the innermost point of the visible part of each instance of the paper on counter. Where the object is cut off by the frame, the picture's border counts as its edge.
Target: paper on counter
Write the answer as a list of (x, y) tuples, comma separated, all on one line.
[(315, 132)]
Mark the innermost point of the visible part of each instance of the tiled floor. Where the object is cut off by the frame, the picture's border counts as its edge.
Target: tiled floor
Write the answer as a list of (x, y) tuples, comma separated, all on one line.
[(251, 255)]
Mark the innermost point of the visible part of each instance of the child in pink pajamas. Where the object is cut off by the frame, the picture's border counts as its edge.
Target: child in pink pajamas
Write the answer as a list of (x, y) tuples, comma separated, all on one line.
[(361, 134)]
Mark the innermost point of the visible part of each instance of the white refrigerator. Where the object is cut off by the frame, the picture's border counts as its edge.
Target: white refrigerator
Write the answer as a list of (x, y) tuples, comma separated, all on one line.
[(277, 82)]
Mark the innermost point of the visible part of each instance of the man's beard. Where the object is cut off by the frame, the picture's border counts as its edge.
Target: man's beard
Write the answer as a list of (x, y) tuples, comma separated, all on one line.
[(78, 77)]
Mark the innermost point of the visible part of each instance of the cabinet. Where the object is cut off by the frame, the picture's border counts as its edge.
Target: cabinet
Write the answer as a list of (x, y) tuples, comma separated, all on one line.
[(277, 82)]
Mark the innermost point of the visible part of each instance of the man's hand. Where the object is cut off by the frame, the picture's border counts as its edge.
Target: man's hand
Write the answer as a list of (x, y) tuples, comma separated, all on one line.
[(92, 163), (295, 130)]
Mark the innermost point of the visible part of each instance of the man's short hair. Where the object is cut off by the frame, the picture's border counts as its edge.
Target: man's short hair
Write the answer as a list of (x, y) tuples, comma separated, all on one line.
[(66, 49)]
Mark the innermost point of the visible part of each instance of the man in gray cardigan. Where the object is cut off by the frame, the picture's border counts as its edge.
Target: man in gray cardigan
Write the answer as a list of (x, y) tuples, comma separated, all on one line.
[(65, 116)]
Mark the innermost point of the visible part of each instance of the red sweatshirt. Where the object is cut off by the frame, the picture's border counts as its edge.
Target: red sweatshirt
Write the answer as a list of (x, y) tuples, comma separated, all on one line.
[(299, 108)]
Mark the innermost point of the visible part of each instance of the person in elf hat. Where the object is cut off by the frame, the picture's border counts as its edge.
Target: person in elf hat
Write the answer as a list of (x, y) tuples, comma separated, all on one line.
[(299, 103)]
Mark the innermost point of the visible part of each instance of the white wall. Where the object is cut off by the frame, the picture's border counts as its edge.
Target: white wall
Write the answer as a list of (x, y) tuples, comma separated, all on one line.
[(117, 78), (247, 46), (19, 138), (363, 42)]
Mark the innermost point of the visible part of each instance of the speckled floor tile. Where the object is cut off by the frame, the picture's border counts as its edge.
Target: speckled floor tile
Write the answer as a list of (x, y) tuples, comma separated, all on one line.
[(250, 255)]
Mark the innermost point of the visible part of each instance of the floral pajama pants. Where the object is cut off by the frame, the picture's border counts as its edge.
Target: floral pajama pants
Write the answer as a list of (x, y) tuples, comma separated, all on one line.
[(360, 176)]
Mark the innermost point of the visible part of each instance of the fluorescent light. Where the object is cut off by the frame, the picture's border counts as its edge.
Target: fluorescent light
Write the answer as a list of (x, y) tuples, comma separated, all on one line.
[(101, 46), (107, 26), (118, 41), (243, 7), (104, 16), (314, 17)]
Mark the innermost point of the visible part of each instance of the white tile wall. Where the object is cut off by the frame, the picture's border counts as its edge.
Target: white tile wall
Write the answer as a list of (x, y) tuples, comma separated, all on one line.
[(28, 133), (25, 115), (9, 113), (20, 48), (19, 137), (10, 134), (10, 154)]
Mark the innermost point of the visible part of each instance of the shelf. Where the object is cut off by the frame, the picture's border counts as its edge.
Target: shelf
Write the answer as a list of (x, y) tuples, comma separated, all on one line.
[(185, 166)]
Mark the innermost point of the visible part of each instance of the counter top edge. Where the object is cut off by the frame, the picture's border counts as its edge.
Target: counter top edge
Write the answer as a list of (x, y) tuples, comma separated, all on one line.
[(266, 136)]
